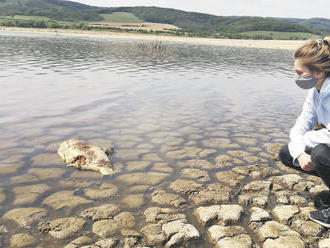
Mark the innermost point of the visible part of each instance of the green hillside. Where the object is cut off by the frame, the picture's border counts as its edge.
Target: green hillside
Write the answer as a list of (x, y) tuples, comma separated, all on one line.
[(271, 35), (316, 23), (56, 9), (193, 21), (57, 12)]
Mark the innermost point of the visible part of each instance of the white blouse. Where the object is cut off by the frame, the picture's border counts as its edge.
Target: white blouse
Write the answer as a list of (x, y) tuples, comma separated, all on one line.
[(316, 110)]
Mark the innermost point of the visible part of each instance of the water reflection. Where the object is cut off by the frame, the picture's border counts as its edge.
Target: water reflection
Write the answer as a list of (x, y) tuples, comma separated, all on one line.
[(191, 103), (67, 54)]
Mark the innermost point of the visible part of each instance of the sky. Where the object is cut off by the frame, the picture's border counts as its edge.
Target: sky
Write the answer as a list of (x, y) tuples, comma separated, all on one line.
[(265, 8)]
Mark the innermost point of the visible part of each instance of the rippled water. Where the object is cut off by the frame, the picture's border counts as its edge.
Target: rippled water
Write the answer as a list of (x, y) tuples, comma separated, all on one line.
[(145, 103)]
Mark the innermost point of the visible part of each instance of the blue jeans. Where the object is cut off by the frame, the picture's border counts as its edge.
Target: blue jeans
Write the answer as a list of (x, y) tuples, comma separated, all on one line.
[(320, 156)]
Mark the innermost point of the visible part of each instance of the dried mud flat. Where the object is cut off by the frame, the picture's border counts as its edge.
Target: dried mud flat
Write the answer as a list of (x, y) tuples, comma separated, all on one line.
[(186, 184)]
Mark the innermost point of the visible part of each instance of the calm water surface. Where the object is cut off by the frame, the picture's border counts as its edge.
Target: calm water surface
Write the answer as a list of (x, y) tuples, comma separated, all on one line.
[(145, 103)]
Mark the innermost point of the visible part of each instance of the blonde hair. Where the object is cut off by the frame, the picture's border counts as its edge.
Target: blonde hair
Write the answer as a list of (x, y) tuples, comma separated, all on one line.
[(315, 55)]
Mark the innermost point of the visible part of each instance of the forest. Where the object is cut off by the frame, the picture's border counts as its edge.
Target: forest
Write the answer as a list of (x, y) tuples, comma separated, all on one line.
[(66, 14)]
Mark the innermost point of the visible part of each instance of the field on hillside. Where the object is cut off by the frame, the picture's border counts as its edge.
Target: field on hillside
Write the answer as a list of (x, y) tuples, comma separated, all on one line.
[(146, 26), (277, 35), (121, 17), (125, 20)]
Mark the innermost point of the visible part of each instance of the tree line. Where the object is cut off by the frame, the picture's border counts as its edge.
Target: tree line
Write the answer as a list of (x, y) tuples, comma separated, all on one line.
[(190, 23)]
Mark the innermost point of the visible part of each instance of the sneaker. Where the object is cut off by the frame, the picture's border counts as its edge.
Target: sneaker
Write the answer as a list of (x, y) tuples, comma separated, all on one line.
[(322, 200), (321, 217)]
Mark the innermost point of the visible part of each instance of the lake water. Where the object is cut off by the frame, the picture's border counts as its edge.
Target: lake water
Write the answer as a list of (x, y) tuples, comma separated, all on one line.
[(158, 109)]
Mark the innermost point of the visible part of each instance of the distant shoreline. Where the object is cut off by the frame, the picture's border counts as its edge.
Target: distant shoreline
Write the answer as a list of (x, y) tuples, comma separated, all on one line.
[(269, 44)]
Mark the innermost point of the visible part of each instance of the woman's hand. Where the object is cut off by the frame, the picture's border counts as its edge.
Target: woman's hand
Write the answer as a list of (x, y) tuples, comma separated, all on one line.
[(305, 162)]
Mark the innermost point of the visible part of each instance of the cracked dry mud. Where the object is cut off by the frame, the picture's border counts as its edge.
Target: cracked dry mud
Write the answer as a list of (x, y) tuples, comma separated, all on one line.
[(198, 189)]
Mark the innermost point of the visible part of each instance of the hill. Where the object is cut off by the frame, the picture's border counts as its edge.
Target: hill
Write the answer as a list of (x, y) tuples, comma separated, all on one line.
[(317, 23), (192, 23), (56, 9)]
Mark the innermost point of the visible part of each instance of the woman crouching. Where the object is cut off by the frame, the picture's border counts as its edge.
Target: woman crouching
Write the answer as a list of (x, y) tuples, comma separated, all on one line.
[(309, 147)]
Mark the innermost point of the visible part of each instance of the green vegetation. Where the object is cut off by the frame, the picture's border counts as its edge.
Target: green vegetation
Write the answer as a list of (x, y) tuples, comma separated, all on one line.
[(24, 17), (315, 23), (269, 35), (198, 22), (38, 22), (54, 9), (66, 14), (121, 17)]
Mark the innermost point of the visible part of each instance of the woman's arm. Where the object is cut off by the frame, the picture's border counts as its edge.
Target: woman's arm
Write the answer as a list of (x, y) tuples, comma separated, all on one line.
[(313, 138), (305, 122)]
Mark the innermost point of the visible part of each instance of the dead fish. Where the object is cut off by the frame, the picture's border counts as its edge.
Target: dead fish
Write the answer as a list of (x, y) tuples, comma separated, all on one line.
[(82, 155)]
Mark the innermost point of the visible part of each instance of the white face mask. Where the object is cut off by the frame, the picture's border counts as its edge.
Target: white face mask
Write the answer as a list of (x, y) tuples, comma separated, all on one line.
[(306, 82)]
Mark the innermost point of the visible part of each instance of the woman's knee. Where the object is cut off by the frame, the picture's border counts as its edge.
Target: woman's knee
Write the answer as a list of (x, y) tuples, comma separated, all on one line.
[(285, 156), (320, 155)]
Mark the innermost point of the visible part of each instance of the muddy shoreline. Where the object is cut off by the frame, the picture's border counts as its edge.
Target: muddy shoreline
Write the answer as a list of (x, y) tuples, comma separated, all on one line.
[(268, 44), (195, 158), (214, 191)]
